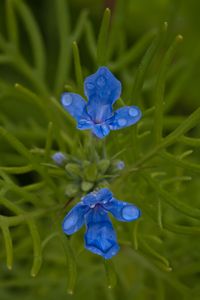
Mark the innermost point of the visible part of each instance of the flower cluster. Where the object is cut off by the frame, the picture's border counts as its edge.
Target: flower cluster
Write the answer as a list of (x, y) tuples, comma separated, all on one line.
[(102, 89)]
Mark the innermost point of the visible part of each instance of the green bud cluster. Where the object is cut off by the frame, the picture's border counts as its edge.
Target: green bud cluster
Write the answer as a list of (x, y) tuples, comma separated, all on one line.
[(84, 176)]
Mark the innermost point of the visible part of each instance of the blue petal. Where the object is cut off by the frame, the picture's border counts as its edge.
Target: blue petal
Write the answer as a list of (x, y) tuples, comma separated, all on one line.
[(74, 104), (90, 199), (74, 220), (104, 195), (122, 211), (102, 90), (102, 85), (100, 237), (101, 130), (99, 112), (125, 116), (84, 124)]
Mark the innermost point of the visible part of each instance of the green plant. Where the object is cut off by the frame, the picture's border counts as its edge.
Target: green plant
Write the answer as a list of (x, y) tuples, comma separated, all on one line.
[(159, 252)]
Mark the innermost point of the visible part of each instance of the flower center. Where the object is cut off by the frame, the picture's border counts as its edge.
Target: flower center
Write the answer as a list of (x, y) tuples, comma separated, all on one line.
[(97, 121)]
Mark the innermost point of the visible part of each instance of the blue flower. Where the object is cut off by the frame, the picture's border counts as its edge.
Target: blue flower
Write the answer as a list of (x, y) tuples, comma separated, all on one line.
[(92, 210), (58, 158), (102, 90), (120, 165)]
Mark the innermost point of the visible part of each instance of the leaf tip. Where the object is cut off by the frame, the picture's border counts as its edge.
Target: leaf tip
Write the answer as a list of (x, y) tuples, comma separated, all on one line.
[(9, 267), (107, 10), (179, 38), (33, 274), (70, 292), (165, 26)]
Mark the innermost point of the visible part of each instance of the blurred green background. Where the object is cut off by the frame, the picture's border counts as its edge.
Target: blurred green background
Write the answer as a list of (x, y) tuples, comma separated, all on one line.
[(166, 264)]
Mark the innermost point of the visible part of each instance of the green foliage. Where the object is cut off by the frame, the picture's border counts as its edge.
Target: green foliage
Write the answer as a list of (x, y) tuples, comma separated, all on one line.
[(158, 257)]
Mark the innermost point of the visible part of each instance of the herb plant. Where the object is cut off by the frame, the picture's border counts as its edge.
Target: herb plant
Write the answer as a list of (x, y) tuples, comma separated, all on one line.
[(47, 165)]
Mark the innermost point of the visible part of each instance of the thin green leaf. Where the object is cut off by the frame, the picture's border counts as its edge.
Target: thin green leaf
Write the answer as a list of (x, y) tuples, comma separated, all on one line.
[(160, 221), (34, 35), (11, 206), (180, 163), (194, 142), (102, 38), (15, 143), (172, 201), (37, 248), (171, 280), (12, 28), (34, 186), (80, 26), (111, 275), (20, 148), (185, 154), (78, 68), (135, 235), (184, 230), (71, 263), (131, 55), (176, 90), (171, 138), (91, 42), (17, 170), (49, 141), (31, 96), (145, 62), (63, 64), (175, 179), (160, 89), (8, 244), (150, 251)]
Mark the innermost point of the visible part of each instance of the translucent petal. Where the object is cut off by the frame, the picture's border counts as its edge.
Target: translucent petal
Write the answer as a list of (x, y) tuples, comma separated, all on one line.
[(102, 90), (74, 104), (122, 211), (74, 220), (124, 117), (100, 237)]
